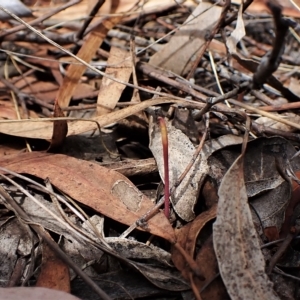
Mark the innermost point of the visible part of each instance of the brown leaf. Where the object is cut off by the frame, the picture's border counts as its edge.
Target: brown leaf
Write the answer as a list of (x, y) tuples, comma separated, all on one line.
[(187, 236), (259, 6), (43, 90), (54, 272), (94, 186), (110, 91), (205, 259), (86, 53), (236, 244), (8, 111)]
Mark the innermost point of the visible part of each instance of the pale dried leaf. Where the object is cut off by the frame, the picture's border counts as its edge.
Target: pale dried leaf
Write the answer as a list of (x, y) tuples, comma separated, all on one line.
[(139, 251), (120, 67), (269, 191), (236, 244), (86, 53), (181, 151), (179, 53), (238, 33), (44, 130), (294, 85), (278, 125), (165, 278), (33, 293), (271, 206), (10, 235), (154, 263)]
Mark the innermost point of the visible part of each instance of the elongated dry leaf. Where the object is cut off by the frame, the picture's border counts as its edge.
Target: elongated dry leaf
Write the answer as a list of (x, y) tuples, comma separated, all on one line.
[(44, 129), (153, 262), (238, 33), (268, 191), (86, 52), (236, 244), (269, 123), (104, 190), (120, 63), (179, 53)]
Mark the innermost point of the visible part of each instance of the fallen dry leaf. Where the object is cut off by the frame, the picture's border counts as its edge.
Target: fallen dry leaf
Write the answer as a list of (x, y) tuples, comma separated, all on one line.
[(86, 53), (181, 151), (94, 186), (206, 258), (8, 111), (268, 191), (238, 33), (46, 91), (179, 53), (187, 236), (15, 243), (44, 129), (120, 67), (54, 272), (290, 210), (277, 125), (236, 243)]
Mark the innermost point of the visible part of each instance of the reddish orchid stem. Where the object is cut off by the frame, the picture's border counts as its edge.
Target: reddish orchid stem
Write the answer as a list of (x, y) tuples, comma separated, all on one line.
[(164, 140)]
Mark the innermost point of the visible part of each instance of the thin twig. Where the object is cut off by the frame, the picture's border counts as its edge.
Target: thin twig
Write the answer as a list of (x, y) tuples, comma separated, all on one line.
[(89, 19)]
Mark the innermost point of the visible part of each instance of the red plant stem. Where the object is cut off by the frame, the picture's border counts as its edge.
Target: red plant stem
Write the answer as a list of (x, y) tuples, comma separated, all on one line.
[(164, 140)]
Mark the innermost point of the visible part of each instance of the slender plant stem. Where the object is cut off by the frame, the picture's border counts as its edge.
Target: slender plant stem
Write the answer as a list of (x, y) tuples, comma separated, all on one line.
[(164, 140)]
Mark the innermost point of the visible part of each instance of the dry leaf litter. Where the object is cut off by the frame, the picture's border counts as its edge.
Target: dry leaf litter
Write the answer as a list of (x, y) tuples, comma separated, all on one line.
[(87, 91)]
